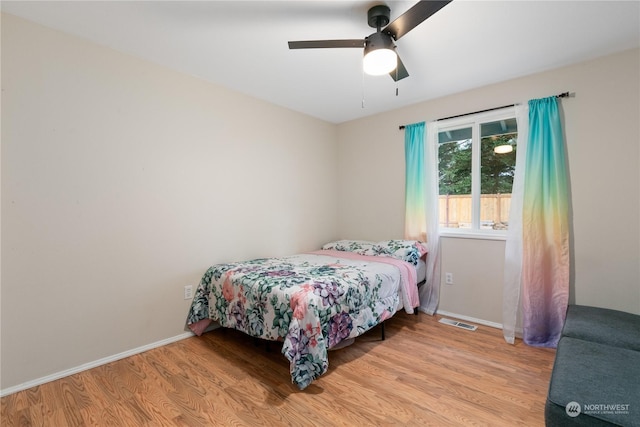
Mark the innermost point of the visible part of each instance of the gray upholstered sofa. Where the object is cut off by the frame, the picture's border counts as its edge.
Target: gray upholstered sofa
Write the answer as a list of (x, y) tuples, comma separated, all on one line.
[(596, 374)]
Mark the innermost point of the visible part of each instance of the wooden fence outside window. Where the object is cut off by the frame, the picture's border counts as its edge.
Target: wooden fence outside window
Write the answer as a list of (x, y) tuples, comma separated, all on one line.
[(455, 211)]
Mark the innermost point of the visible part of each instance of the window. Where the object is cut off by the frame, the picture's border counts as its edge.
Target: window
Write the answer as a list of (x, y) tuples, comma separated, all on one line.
[(475, 178)]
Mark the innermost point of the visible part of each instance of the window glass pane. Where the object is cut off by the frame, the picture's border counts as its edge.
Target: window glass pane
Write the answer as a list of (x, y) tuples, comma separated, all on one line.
[(454, 135), (454, 167), (499, 127), (496, 174)]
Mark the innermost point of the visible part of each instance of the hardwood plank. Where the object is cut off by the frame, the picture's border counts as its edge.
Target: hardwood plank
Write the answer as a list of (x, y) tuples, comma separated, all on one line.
[(424, 373)]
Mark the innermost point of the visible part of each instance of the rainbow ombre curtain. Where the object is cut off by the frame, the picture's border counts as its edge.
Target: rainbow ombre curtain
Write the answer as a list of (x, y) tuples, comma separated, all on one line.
[(545, 227), (421, 206), (539, 231), (415, 223)]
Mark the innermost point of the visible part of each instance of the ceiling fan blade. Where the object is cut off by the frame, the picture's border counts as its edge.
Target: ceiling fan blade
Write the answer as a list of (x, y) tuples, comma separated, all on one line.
[(315, 44), (413, 17), (400, 72)]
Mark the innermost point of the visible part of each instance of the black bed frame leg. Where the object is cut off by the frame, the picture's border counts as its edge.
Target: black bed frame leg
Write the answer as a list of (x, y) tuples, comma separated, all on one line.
[(382, 331), (256, 342)]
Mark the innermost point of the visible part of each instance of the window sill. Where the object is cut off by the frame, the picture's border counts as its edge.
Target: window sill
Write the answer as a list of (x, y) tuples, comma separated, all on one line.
[(470, 234)]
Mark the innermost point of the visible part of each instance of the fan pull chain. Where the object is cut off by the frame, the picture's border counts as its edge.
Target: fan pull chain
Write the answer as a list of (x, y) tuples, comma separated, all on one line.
[(397, 62)]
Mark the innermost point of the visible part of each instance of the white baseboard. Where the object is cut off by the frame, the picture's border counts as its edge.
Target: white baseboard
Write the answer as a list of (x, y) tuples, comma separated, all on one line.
[(96, 363), (470, 319)]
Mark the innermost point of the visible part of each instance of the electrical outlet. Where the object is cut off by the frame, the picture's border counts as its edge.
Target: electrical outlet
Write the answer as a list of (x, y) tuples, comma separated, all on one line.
[(188, 292), (448, 278)]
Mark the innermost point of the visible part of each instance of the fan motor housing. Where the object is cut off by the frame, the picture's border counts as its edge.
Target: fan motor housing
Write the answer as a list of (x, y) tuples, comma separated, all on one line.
[(378, 41), (378, 16)]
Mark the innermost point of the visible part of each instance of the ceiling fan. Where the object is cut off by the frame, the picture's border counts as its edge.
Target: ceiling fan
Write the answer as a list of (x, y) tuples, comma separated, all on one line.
[(380, 55)]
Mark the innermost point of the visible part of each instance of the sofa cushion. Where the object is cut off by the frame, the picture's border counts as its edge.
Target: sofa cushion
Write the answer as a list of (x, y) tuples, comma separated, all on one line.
[(603, 325), (602, 379)]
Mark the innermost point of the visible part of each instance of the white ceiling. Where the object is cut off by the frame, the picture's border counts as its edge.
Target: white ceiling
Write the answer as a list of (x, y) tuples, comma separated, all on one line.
[(243, 44)]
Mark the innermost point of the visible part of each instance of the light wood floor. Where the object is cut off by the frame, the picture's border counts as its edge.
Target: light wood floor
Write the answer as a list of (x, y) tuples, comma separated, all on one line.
[(424, 373)]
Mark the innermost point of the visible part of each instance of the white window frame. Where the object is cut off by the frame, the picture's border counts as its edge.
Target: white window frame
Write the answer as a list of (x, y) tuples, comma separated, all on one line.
[(473, 121)]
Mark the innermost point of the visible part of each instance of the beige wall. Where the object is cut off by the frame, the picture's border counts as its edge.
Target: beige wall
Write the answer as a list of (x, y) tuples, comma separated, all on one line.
[(477, 266), (603, 139), (122, 182)]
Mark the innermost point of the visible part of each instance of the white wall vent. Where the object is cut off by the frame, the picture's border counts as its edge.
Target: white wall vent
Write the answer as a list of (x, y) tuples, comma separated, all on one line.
[(457, 324)]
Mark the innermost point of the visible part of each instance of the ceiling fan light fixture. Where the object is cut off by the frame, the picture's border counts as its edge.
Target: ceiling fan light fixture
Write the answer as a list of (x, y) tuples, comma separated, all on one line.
[(503, 149), (379, 62), (379, 55)]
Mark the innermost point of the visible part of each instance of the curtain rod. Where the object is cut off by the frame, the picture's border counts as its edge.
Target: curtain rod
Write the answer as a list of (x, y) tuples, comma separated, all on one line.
[(562, 95)]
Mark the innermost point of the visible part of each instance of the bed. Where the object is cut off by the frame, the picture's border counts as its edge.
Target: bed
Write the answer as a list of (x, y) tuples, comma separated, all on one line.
[(311, 302)]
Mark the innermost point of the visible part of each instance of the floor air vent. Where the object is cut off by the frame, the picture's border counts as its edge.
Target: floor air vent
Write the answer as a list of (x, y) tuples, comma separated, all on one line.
[(457, 324)]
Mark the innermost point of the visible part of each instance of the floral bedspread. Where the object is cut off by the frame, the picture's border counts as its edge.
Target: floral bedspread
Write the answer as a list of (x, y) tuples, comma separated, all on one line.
[(310, 302)]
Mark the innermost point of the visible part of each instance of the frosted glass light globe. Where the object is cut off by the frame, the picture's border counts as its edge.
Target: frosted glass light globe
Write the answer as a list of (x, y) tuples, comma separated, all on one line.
[(380, 61)]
